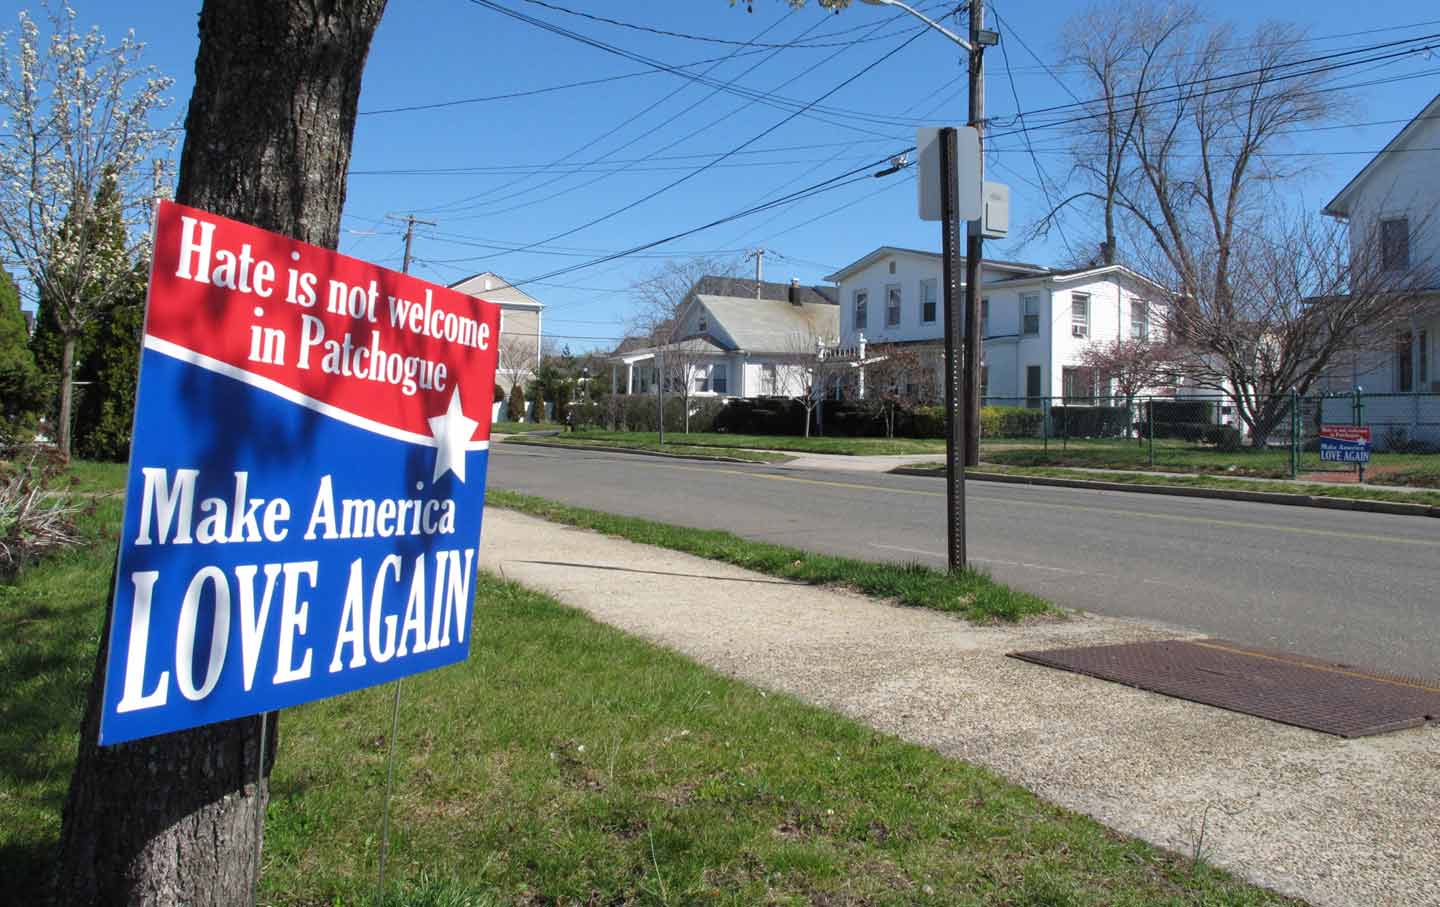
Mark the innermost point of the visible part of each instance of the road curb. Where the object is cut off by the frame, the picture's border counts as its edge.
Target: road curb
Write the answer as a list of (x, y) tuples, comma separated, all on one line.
[(646, 453), (1259, 497)]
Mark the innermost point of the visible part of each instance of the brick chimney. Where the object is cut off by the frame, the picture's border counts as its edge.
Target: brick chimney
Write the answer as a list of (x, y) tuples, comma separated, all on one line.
[(794, 291)]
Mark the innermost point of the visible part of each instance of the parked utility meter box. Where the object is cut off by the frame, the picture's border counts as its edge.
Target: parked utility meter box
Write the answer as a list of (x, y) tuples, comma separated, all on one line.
[(996, 222)]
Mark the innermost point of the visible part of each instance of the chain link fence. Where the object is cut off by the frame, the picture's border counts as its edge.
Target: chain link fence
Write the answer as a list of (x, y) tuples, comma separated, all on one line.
[(1281, 439)]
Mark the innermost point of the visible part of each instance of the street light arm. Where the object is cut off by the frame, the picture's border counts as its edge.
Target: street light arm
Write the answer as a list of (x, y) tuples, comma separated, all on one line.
[(927, 20)]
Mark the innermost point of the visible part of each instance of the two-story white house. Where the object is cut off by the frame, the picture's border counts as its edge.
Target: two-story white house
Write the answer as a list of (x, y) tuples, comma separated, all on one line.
[(1392, 207), (1034, 320)]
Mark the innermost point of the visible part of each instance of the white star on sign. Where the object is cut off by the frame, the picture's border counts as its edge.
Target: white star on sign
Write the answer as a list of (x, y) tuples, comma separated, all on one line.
[(452, 433)]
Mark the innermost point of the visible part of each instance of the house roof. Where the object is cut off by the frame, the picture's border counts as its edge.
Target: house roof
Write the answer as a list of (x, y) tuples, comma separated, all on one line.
[(491, 287), (699, 345), (887, 251), (771, 325), (1078, 274), (1341, 204), (741, 287)]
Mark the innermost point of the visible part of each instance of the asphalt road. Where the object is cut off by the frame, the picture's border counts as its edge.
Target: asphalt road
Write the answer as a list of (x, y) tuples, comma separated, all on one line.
[(1352, 587)]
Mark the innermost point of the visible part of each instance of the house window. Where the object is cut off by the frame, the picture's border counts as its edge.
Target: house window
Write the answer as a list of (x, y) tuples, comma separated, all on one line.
[(1424, 359), (892, 267), (862, 304), (702, 380), (1078, 385), (927, 301), (1079, 315), (1404, 365), (1032, 386), (984, 384), (1139, 320), (892, 306), (1395, 243), (720, 378), (984, 318), (702, 325), (768, 383), (1031, 305)]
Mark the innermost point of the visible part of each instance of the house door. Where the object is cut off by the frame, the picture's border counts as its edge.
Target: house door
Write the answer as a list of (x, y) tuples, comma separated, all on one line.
[(1032, 386)]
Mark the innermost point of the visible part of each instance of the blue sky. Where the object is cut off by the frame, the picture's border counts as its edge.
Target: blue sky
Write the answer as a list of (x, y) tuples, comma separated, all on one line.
[(504, 173)]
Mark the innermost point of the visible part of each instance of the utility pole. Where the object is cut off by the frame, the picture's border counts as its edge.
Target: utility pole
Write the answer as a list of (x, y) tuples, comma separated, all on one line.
[(974, 252), (759, 256), (410, 221)]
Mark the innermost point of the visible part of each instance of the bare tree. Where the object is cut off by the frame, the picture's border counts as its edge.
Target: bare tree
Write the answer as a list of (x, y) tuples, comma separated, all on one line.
[(79, 116), (1134, 366), (661, 301), (897, 377), (1178, 155), (516, 358), (1297, 298), (171, 819), (807, 374), (1127, 54), (661, 295)]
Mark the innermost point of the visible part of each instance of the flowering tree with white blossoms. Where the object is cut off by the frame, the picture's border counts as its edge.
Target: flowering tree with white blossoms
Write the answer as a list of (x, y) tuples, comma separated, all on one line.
[(78, 114)]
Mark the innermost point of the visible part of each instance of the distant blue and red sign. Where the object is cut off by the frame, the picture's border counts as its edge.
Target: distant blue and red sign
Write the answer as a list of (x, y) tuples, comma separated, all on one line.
[(1345, 443), (306, 480)]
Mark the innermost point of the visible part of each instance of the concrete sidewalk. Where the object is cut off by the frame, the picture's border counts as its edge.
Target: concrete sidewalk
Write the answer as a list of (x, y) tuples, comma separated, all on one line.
[(1333, 821)]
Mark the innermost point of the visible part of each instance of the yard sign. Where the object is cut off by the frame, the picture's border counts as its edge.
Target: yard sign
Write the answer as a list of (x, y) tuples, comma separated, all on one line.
[(303, 507), (1345, 443)]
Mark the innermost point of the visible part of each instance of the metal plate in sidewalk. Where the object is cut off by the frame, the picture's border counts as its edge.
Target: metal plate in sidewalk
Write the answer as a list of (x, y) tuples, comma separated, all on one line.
[(1333, 698)]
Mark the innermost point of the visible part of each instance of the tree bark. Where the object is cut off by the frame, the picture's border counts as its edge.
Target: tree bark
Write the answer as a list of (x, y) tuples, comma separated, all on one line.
[(67, 394), (171, 819)]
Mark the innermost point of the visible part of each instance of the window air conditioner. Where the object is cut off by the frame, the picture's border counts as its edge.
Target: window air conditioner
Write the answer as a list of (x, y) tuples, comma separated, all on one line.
[(1077, 330)]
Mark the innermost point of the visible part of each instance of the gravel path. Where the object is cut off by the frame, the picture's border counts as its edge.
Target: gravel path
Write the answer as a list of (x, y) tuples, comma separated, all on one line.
[(1333, 821)]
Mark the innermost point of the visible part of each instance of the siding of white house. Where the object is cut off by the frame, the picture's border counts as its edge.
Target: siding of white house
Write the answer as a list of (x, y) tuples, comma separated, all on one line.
[(1401, 183), (1008, 351)]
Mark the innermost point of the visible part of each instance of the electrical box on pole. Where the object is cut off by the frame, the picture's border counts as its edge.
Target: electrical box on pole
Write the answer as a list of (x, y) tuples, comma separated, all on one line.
[(966, 176), (996, 222)]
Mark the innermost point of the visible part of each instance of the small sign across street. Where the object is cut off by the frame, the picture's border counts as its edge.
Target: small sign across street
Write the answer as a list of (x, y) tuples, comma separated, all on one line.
[(1345, 443)]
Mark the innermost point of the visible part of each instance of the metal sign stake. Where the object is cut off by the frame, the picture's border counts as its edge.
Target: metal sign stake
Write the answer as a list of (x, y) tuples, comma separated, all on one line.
[(259, 807), (389, 786)]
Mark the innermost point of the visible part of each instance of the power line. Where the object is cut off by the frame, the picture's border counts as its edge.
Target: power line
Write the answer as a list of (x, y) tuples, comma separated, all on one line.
[(694, 132), (779, 102), (1039, 171), (689, 37), (753, 139), (490, 194), (834, 182), (1270, 76)]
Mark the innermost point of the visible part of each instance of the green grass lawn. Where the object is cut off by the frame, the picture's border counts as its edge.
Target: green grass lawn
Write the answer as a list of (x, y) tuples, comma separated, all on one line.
[(521, 427), (1314, 489), (568, 763), (583, 440), (795, 443), (1175, 456), (971, 594)]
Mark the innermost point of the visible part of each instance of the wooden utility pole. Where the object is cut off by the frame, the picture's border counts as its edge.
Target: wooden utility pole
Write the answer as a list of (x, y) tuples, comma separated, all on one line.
[(410, 221), (759, 256), (973, 246)]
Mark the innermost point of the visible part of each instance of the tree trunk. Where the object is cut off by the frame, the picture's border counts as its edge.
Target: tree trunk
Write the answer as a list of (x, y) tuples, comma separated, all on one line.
[(67, 394), (170, 819)]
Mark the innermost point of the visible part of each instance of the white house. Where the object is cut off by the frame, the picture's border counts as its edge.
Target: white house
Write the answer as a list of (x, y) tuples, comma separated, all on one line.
[(520, 328), (735, 339), (1034, 320), (1395, 200)]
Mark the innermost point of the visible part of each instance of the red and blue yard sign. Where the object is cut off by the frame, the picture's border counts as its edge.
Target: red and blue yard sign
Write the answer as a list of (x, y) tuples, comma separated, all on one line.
[(1345, 444), (303, 507)]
